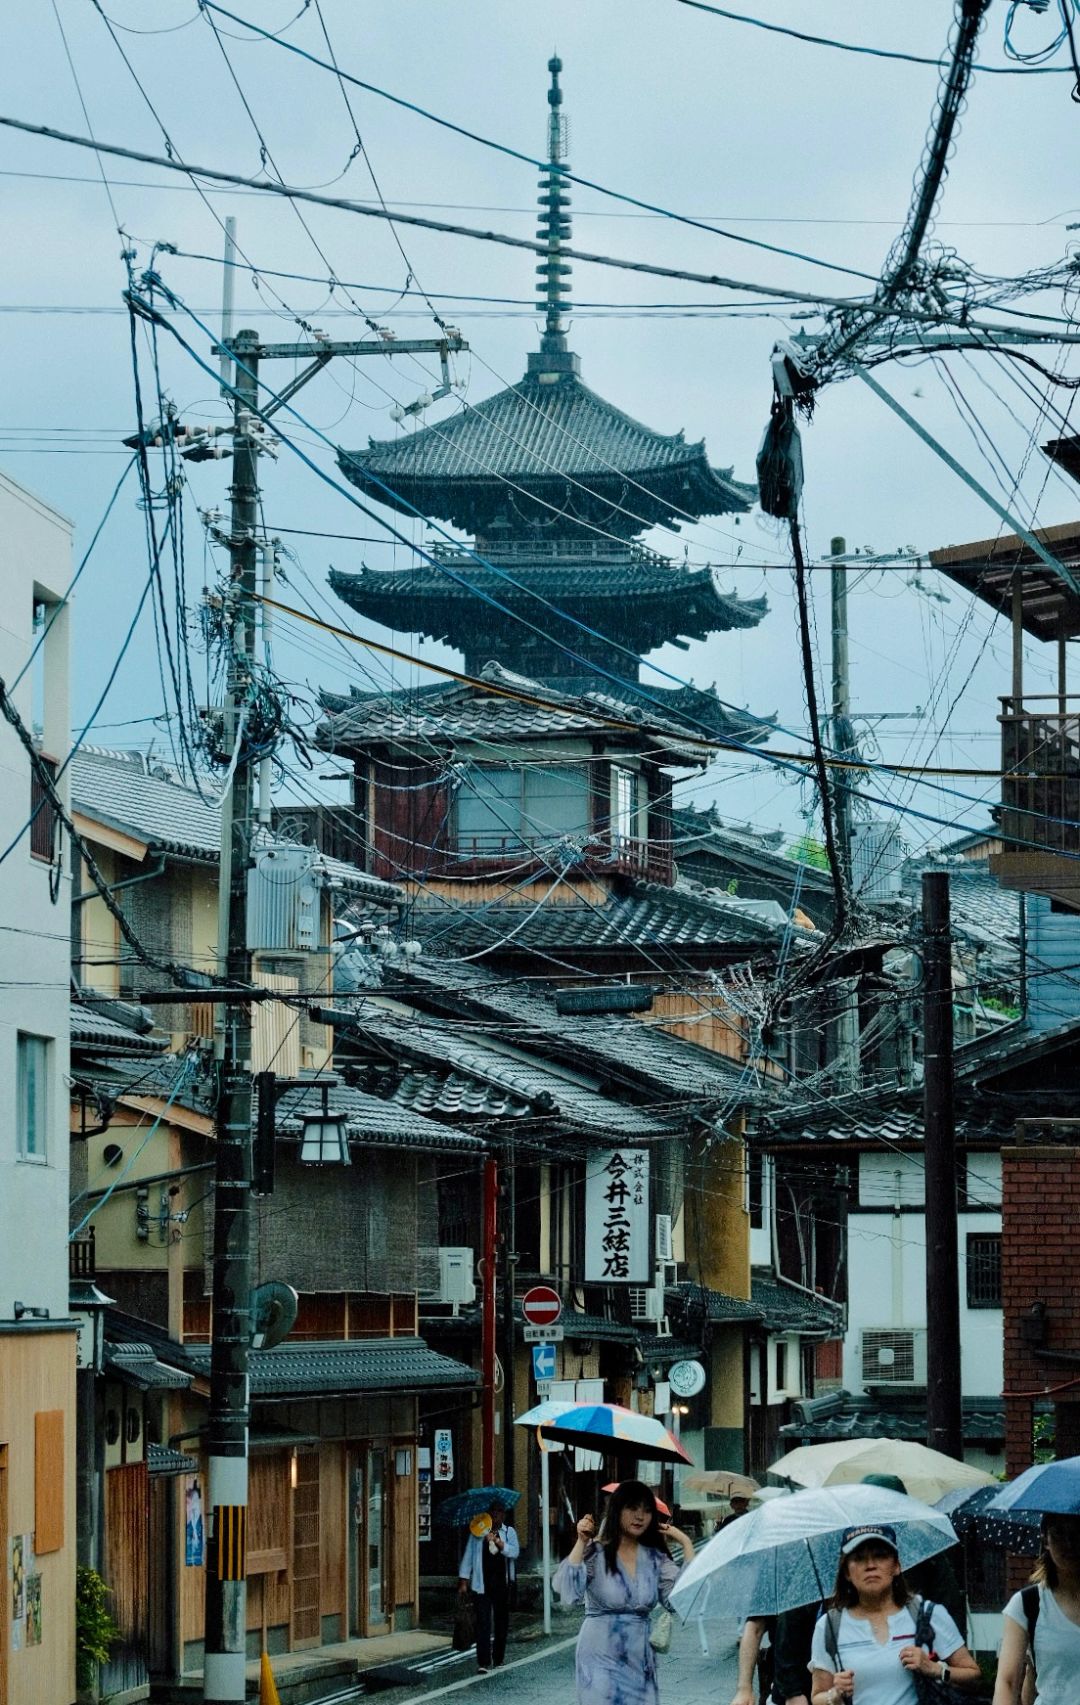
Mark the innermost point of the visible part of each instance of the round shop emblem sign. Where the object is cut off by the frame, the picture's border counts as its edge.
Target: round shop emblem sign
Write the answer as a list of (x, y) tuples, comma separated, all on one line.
[(686, 1379)]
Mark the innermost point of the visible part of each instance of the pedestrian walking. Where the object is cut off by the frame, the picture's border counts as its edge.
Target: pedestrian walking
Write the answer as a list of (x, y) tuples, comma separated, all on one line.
[(1042, 1623), (739, 1507), (485, 1562), (877, 1637), (620, 1575)]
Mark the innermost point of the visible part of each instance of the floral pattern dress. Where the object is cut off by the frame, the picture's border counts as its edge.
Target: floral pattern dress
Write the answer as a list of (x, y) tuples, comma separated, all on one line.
[(615, 1664)]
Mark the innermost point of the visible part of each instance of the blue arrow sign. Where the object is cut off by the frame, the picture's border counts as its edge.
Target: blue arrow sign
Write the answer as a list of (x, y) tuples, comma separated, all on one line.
[(543, 1361)]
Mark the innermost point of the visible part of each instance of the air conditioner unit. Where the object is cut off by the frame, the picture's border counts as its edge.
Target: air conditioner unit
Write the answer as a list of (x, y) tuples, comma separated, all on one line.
[(894, 1355), (663, 1237), (646, 1303), (456, 1283)]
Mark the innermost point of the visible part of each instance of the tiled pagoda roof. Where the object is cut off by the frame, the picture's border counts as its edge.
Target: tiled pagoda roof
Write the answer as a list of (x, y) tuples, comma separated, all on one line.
[(539, 447)]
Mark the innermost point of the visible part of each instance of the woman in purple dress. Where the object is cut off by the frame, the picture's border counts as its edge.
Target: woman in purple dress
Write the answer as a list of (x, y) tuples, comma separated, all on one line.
[(620, 1576)]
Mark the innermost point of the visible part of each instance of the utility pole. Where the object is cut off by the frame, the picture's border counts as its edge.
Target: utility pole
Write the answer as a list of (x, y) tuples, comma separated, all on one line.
[(489, 1271), (510, 1260), (843, 740), (227, 1429), (945, 1431)]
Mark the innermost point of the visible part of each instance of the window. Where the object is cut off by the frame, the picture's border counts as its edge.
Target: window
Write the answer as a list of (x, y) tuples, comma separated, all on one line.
[(984, 1270), (781, 1350), (623, 813), (755, 1162), (503, 810), (43, 818), (32, 1092)]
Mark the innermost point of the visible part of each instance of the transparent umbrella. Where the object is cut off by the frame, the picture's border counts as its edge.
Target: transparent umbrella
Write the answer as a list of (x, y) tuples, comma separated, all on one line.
[(785, 1553)]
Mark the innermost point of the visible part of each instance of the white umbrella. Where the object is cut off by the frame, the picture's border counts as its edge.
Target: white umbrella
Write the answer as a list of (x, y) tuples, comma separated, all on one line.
[(927, 1474), (786, 1553)]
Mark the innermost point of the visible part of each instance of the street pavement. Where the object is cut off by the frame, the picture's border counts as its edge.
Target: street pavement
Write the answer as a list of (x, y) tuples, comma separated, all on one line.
[(541, 1672)]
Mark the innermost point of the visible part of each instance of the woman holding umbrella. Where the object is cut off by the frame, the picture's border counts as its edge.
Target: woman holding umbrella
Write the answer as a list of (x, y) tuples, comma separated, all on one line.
[(620, 1576), (866, 1646), (1046, 1631)]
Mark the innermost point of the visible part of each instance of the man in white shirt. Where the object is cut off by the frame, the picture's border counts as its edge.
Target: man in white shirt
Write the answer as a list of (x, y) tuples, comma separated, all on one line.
[(485, 1570)]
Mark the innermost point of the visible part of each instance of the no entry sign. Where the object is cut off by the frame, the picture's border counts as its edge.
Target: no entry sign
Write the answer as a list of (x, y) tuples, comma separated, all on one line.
[(541, 1306)]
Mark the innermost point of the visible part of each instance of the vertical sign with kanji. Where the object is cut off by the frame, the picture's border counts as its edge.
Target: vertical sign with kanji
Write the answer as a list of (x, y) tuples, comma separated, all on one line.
[(617, 1221), (443, 1452)]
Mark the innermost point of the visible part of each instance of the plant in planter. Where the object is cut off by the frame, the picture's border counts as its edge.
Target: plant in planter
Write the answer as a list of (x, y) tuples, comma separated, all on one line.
[(95, 1631)]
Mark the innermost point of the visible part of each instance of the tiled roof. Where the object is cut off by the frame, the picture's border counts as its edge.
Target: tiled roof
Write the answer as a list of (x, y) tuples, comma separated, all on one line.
[(92, 1030), (137, 1365), (635, 914), (540, 437), (719, 1308), (132, 793), (162, 1459), (862, 1418), (646, 602), (457, 714), (704, 832), (341, 1367), (786, 1308), (373, 1122), (980, 909), (623, 1049), (896, 1117), (505, 1085)]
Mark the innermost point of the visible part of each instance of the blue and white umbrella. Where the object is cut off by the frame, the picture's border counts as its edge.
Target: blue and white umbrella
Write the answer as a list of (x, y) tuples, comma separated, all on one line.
[(974, 1516), (786, 1553), (1052, 1488)]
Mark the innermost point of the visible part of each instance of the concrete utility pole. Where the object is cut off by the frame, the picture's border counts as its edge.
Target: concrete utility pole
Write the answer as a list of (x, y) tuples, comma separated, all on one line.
[(945, 1429), (227, 1430), (842, 739)]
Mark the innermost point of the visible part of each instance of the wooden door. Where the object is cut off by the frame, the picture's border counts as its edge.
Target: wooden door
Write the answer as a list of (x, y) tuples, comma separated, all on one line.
[(127, 1570), (305, 1618), (377, 1571), (5, 1614)]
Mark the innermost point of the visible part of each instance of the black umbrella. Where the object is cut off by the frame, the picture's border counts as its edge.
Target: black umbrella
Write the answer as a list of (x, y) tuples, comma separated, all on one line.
[(1018, 1531)]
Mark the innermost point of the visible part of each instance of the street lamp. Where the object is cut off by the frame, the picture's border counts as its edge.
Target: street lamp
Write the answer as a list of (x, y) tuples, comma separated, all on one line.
[(325, 1137), (87, 1307), (325, 1141)]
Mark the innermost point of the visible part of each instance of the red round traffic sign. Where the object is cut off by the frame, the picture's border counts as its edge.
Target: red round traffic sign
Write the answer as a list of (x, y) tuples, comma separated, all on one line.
[(541, 1306)]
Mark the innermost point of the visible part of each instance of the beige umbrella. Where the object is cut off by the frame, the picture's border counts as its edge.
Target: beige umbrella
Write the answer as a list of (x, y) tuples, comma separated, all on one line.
[(721, 1483), (927, 1474)]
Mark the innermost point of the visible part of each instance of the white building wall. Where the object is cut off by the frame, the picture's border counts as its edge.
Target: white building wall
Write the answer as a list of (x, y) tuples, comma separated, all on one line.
[(887, 1264), (35, 563)]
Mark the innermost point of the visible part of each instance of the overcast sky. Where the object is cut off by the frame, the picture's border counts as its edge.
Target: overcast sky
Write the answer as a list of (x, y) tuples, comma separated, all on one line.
[(784, 142)]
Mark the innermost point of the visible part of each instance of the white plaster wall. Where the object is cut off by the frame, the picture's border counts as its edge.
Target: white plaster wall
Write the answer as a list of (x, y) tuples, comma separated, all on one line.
[(35, 559), (887, 1269)]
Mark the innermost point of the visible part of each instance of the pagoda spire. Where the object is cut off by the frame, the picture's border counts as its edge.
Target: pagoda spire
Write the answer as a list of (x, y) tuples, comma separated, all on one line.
[(554, 220)]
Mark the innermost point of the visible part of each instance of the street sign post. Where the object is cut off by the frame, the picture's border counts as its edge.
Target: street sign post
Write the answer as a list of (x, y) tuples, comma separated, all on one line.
[(543, 1360), (541, 1306), (543, 1334)]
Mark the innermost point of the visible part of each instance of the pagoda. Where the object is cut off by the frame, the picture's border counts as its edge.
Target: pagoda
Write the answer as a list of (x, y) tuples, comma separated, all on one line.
[(554, 485)]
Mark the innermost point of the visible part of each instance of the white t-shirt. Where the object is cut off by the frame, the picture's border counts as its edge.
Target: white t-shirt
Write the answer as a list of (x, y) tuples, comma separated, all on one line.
[(1057, 1648), (880, 1677)]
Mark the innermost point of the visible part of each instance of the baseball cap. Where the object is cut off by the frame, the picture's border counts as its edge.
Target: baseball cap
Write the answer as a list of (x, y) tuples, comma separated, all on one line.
[(853, 1537)]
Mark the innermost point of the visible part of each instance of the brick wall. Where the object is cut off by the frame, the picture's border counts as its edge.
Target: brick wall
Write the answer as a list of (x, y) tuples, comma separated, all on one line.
[(1040, 1260)]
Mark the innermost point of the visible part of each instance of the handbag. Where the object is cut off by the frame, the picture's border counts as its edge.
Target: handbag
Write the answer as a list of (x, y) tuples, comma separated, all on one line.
[(660, 1632), (463, 1637)]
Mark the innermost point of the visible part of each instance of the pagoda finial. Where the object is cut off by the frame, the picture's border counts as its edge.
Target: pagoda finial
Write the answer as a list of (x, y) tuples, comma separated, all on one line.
[(554, 226)]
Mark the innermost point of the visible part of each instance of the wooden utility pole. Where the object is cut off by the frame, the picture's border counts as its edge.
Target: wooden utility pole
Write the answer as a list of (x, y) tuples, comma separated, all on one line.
[(945, 1430), (489, 1272)]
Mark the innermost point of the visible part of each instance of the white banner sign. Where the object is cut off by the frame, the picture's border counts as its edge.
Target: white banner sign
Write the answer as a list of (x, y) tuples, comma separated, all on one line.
[(617, 1222)]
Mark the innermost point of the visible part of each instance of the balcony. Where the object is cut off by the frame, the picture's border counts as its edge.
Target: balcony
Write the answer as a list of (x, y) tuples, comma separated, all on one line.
[(1039, 814)]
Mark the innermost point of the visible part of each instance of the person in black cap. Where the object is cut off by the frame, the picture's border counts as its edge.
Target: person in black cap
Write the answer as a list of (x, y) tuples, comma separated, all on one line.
[(935, 1578), (875, 1639)]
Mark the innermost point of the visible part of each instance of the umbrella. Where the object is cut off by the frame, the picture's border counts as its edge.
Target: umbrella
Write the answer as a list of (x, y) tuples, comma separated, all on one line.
[(1018, 1531), (606, 1427), (664, 1509), (722, 1483), (927, 1474), (785, 1553), (460, 1509), (1050, 1487)]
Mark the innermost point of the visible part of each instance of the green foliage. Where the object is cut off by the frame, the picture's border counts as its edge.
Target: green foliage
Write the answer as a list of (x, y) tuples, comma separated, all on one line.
[(1044, 1438), (806, 850), (95, 1631), (992, 1004)]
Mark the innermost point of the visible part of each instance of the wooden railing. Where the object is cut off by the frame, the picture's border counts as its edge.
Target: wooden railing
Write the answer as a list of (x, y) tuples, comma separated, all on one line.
[(1040, 761)]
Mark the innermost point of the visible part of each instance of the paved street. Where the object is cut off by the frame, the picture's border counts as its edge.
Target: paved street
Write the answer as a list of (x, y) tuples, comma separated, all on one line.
[(542, 1673)]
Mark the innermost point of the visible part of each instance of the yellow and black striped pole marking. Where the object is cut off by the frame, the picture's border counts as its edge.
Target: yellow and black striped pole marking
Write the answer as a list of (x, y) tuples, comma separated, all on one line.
[(230, 1541)]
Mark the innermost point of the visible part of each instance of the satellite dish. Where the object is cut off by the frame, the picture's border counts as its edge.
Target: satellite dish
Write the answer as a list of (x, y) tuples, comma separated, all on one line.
[(273, 1314)]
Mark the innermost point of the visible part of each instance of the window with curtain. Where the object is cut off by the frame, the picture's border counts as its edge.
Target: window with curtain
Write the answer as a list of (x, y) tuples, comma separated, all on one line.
[(32, 1097), (507, 810)]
